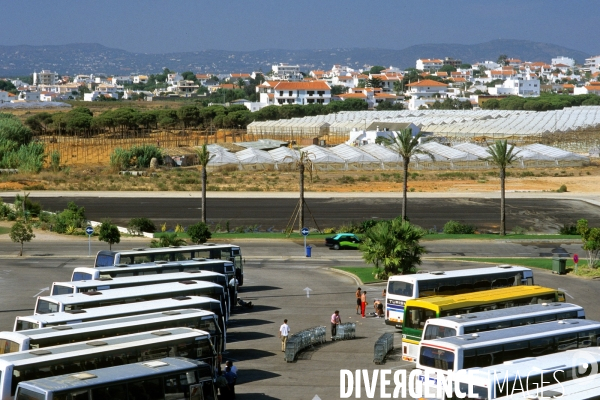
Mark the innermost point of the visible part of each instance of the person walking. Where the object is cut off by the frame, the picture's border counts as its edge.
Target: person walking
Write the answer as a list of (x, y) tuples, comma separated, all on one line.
[(335, 321), (357, 294), (363, 303), (284, 331)]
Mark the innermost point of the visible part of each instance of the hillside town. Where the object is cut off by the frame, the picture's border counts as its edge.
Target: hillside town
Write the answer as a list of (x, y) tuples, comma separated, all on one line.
[(431, 82)]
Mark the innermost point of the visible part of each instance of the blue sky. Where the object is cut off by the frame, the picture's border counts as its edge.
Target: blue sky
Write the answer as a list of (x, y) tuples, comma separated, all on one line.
[(157, 26)]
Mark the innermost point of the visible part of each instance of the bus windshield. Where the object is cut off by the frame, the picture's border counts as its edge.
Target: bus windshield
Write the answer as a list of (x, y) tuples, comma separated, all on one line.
[(437, 358), (46, 307), (400, 288)]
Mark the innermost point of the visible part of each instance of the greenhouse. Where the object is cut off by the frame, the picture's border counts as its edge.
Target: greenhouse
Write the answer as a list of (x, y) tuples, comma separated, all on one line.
[(324, 160), (355, 159), (284, 157), (388, 158), (254, 159), (220, 159)]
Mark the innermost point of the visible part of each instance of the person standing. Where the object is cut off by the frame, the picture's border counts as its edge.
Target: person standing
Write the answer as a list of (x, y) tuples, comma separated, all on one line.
[(357, 294), (363, 303), (284, 331), (335, 321)]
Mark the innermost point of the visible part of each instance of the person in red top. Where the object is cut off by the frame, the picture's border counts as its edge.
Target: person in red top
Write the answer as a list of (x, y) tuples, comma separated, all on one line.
[(335, 321)]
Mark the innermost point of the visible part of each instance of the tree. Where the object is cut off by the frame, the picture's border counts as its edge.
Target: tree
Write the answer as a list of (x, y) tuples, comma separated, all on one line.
[(591, 241), (393, 247), (167, 240), (109, 233), (448, 68), (374, 83), (502, 155), (199, 233), (465, 66), (21, 232), (502, 59), (388, 105), (204, 157), (406, 145), (376, 69)]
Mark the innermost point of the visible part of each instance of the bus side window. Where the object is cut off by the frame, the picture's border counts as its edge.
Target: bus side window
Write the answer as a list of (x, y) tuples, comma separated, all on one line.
[(115, 392), (149, 389)]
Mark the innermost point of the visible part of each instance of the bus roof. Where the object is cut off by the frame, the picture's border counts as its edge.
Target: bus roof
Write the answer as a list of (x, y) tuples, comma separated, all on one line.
[(549, 362), (522, 333), (112, 294), (475, 298), (100, 346), (124, 309), (513, 312), (433, 275), (116, 374), (147, 279), (161, 250), (112, 323), (165, 264)]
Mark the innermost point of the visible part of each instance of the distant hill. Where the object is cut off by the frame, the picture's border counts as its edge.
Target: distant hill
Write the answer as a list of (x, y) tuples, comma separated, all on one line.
[(85, 58)]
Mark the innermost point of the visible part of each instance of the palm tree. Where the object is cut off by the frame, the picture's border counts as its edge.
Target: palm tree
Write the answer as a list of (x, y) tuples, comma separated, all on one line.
[(168, 239), (204, 157), (393, 247), (502, 155), (406, 145)]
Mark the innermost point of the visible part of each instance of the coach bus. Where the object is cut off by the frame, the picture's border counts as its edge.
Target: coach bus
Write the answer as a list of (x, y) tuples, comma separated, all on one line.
[(162, 379), (418, 311), (11, 342), (78, 301), (127, 349), (120, 310), (229, 252), (529, 376), (485, 349), (401, 288), (456, 325)]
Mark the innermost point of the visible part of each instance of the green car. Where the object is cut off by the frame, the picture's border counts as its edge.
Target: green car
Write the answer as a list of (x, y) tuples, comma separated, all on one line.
[(343, 241)]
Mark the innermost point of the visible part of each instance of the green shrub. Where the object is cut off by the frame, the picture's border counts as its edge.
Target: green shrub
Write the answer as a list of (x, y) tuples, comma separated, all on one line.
[(454, 228), (72, 216), (568, 229), (119, 159), (141, 155), (55, 161), (199, 233), (138, 225), (329, 231), (519, 230), (562, 189)]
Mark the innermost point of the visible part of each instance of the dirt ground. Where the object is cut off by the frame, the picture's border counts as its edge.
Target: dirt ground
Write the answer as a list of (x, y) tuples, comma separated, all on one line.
[(576, 179)]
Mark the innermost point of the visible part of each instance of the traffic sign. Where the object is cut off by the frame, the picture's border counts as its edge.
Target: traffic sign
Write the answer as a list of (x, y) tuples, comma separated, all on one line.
[(304, 231), (89, 230), (575, 258)]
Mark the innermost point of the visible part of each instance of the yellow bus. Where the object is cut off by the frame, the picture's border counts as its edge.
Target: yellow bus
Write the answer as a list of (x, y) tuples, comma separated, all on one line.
[(417, 311)]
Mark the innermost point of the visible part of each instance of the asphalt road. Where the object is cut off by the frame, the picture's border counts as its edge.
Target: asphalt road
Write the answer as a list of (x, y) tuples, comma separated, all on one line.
[(539, 215), (276, 286)]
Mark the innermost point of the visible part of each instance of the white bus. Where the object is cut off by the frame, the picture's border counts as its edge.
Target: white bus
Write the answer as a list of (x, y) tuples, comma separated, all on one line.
[(11, 342), (107, 283), (485, 349), (76, 357), (121, 310), (439, 328), (577, 389), (78, 301), (163, 379), (160, 267), (523, 377), (401, 288), (229, 252)]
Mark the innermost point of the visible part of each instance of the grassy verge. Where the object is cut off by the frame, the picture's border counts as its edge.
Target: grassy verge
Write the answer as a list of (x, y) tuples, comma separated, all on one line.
[(255, 235), (365, 274), (4, 230), (489, 236)]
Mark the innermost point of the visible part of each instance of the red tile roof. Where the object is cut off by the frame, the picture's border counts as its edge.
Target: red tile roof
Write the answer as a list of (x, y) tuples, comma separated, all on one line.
[(315, 85), (427, 82)]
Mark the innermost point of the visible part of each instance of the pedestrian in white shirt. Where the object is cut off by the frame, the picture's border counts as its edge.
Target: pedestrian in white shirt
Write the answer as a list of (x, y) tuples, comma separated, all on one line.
[(284, 331)]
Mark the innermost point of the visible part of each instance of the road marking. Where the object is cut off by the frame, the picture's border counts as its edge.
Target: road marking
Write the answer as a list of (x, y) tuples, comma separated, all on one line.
[(40, 292), (307, 290)]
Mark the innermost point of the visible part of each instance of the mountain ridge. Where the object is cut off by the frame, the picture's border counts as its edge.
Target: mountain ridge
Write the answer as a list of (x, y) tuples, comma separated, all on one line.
[(85, 58)]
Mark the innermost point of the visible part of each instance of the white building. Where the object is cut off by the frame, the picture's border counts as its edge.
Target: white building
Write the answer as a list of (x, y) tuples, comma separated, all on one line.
[(172, 79), (28, 96), (122, 79), (283, 92), (563, 60), (3, 97), (426, 64), (364, 137), (425, 93), (186, 88), (138, 79), (589, 88), (283, 71), (45, 77), (95, 94), (592, 64), (517, 86)]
